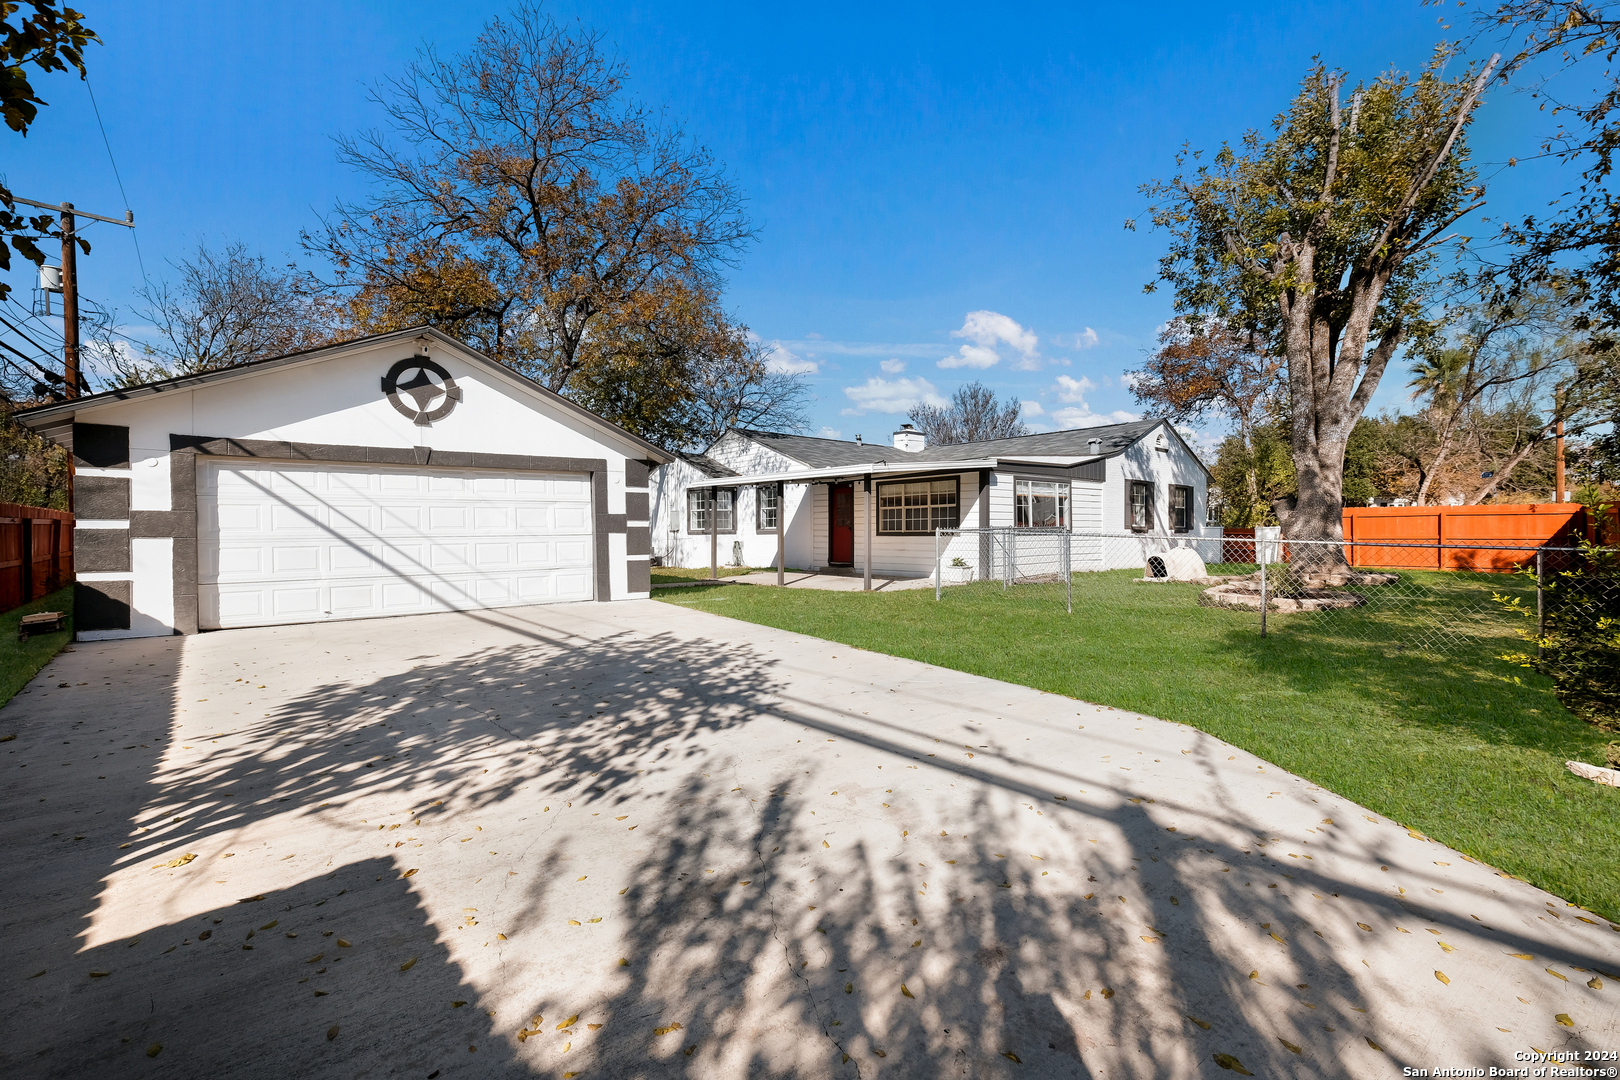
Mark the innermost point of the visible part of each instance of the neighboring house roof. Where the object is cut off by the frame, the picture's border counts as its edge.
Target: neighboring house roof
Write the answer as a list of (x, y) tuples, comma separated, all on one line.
[(62, 413), (1075, 442), (706, 465)]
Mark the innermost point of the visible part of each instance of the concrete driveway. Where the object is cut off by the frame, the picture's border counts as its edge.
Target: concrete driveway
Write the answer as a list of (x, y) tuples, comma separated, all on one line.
[(636, 840)]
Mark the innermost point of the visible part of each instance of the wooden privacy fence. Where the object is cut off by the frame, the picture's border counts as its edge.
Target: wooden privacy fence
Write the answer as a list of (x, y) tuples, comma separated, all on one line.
[(1452, 529), (1439, 537), (36, 553)]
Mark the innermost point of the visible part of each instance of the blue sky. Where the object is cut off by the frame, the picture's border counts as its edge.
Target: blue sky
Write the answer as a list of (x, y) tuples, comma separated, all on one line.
[(940, 189)]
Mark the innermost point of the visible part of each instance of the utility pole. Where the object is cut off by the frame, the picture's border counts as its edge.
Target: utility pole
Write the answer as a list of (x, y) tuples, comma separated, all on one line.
[(70, 283)]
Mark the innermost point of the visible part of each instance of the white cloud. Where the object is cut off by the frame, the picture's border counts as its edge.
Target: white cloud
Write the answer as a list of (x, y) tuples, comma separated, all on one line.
[(986, 333), (1084, 339), (1032, 408), (893, 367), (891, 396), (831, 433), (1082, 416), (1073, 391), (779, 358)]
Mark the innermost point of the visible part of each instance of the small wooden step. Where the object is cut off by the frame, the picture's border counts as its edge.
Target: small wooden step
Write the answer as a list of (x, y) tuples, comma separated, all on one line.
[(43, 622)]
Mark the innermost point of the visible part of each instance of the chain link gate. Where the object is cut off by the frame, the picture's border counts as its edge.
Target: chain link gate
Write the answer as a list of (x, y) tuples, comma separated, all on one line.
[(1033, 564)]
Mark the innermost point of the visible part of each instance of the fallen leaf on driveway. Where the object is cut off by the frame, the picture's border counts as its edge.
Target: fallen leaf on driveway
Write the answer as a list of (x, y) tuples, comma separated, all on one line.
[(1201, 1023), (666, 1030), (1442, 977), (331, 1033), (1012, 1057), (1563, 1018), (1232, 1064), (1289, 1045), (171, 864), (905, 992), (407, 965)]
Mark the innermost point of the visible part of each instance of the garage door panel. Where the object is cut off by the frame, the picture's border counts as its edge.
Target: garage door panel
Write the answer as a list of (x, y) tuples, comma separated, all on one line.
[(299, 543), (447, 519)]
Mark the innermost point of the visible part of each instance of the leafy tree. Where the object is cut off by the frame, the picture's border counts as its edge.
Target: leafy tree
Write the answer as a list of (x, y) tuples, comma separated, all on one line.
[(1252, 474), (1207, 369), (1322, 239), (33, 472), (50, 38), (974, 415), (524, 204)]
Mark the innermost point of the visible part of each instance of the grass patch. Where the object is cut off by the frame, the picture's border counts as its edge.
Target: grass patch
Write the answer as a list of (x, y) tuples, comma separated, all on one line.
[(21, 660), (1466, 748), (670, 575)]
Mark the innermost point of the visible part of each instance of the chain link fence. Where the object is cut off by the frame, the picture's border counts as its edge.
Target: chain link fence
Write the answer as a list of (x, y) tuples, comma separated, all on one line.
[(1555, 609), (1033, 565)]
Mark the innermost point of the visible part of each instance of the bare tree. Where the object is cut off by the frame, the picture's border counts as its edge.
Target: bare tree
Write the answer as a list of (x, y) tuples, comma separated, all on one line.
[(974, 415), (226, 307), (522, 203), (1323, 238)]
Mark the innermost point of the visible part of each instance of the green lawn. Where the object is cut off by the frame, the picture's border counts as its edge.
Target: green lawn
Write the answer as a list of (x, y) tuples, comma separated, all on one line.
[(21, 661), (1465, 748)]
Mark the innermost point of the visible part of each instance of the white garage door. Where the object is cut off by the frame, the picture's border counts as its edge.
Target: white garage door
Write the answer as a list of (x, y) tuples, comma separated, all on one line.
[(291, 543)]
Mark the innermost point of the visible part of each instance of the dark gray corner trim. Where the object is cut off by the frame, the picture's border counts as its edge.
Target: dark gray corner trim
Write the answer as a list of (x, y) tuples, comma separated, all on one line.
[(984, 498), (638, 541), (101, 446), (103, 498), (636, 473), (637, 505), (616, 523), (1091, 470), (604, 579), (639, 576), (101, 551), (102, 605), (378, 455), (157, 524)]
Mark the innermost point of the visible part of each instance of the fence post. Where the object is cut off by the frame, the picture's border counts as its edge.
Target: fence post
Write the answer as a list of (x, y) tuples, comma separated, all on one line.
[(27, 567), (1068, 569), (1264, 601), (1541, 603)]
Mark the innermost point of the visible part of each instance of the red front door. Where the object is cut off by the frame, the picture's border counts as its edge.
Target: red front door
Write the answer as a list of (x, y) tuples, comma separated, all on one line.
[(841, 552)]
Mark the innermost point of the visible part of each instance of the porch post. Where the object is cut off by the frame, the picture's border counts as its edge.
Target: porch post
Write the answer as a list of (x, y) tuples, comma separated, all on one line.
[(714, 534), (781, 533), (869, 500)]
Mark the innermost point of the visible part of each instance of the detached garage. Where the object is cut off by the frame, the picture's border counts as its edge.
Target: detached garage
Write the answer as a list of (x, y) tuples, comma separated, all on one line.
[(395, 475)]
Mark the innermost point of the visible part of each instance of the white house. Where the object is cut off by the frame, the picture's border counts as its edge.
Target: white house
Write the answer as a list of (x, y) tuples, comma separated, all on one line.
[(393, 475), (1138, 480)]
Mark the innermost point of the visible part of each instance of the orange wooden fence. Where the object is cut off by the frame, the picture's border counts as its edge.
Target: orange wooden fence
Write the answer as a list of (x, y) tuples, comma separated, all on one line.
[(1524, 527), (36, 553)]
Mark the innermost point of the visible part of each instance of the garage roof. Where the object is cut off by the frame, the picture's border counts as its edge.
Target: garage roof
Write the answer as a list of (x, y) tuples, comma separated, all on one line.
[(55, 419)]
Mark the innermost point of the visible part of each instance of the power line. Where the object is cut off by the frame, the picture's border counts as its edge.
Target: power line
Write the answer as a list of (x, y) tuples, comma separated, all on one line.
[(108, 144)]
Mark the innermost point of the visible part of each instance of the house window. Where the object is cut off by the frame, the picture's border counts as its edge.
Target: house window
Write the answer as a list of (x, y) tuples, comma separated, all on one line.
[(1139, 507), (767, 508), (918, 507), (1213, 507), (1181, 506), (1040, 504), (702, 502)]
